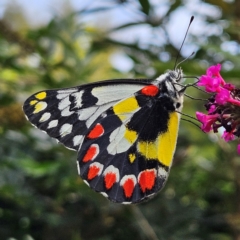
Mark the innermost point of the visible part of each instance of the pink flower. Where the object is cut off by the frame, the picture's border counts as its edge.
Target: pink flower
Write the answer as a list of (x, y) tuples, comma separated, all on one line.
[(210, 84), (206, 120), (214, 70), (228, 136), (223, 106), (234, 102), (212, 109), (213, 80), (222, 96)]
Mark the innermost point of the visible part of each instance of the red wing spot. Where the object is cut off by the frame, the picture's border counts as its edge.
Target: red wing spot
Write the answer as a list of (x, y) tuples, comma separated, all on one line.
[(110, 179), (93, 172), (128, 187), (96, 132), (147, 179), (150, 90), (92, 152)]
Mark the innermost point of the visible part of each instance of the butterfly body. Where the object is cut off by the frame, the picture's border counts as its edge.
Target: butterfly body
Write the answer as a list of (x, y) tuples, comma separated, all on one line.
[(125, 131)]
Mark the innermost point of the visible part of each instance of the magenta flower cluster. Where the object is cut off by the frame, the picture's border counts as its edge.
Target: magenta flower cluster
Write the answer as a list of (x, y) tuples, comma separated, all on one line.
[(223, 106)]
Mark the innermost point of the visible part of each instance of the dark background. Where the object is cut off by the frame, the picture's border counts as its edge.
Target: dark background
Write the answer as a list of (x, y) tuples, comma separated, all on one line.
[(41, 195)]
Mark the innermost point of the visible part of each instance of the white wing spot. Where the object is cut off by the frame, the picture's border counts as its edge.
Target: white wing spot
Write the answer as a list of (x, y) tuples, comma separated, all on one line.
[(78, 98), (77, 140), (52, 124), (162, 173), (118, 143), (64, 103), (65, 129), (65, 112), (45, 117)]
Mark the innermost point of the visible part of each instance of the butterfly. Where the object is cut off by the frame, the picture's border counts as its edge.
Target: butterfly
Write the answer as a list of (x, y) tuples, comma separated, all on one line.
[(124, 131)]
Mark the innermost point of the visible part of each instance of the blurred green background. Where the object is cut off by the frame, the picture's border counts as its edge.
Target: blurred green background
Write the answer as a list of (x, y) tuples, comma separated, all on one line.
[(55, 44)]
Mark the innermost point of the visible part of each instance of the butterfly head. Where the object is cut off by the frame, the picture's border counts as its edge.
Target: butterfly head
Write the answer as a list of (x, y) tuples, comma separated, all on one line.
[(176, 78), (173, 76), (171, 87), (172, 80), (176, 75)]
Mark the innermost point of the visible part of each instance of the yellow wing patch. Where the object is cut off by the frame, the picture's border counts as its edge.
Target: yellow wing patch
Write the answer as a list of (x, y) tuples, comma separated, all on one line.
[(167, 141), (124, 107), (33, 102), (41, 95), (148, 149), (163, 148), (131, 157), (39, 107), (130, 135)]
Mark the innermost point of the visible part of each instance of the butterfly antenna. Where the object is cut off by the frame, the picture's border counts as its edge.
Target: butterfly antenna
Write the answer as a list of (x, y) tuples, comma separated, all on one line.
[(175, 65)]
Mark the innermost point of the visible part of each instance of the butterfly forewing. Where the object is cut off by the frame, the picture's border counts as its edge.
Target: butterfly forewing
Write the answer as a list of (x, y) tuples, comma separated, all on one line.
[(66, 114)]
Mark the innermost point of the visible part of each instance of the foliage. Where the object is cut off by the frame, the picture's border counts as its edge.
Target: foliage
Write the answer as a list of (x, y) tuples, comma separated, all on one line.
[(41, 196)]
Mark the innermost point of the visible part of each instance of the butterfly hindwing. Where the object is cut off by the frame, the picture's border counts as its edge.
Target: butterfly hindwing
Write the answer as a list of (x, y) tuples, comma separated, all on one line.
[(128, 150)]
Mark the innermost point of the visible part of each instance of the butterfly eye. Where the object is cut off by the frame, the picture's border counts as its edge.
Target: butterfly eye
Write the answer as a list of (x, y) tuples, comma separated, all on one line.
[(178, 105)]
